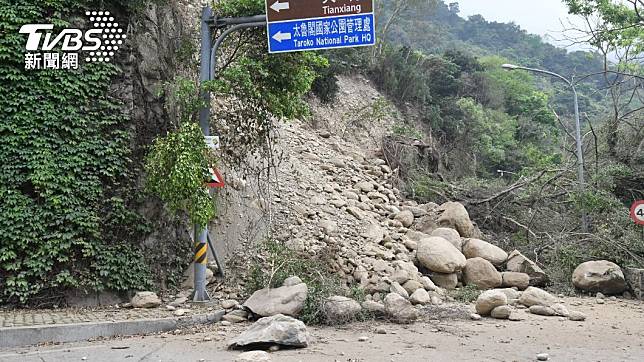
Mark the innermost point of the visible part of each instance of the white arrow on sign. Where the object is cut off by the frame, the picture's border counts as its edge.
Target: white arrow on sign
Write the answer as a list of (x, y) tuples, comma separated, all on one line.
[(279, 36), (278, 6)]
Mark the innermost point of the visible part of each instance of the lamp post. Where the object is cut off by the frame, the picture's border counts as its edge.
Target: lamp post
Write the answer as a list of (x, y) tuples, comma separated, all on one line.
[(580, 156)]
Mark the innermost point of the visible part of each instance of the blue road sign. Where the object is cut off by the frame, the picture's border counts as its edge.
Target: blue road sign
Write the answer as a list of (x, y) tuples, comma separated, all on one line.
[(321, 33)]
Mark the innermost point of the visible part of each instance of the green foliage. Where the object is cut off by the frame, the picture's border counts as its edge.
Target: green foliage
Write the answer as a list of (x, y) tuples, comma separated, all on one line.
[(280, 263), (325, 86), (405, 130), (176, 168), (466, 294), (620, 23), (65, 180)]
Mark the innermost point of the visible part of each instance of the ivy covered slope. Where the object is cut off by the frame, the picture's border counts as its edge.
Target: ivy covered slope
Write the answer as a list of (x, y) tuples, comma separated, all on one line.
[(64, 180)]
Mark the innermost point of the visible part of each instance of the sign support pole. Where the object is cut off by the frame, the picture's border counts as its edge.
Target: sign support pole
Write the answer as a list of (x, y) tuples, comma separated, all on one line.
[(201, 231), (207, 70)]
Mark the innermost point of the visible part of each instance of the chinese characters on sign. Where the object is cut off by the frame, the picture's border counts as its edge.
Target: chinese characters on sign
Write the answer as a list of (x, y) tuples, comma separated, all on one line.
[(319, 24)]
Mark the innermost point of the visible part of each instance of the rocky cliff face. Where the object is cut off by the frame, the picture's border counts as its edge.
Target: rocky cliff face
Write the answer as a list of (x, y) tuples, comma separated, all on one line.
[(162, 45)]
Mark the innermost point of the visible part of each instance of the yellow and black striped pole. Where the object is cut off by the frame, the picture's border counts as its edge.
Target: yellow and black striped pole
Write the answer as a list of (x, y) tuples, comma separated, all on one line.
[(201, 251), (201, 261)]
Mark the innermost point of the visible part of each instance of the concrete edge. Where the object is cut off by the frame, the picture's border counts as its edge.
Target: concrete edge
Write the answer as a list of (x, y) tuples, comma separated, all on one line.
[(60, 333)]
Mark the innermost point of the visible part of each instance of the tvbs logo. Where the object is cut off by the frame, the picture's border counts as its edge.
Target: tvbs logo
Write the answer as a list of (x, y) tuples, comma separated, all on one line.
[(98, 44)]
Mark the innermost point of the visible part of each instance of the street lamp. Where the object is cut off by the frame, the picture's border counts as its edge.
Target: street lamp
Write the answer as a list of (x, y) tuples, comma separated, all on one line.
[(580, 156)]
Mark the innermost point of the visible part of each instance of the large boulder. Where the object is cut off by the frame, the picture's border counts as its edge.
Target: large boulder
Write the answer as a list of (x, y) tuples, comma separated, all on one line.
[(476, 248), (439, 255), (512, 279), (446, 281), (288, 300), (535, 296), (490, 299), (145, 300), (517, 262), (339, 309), (481, 273), (599, 276), (450, 235), (278, 329), (635, 280), (455, 216), (399, 309)]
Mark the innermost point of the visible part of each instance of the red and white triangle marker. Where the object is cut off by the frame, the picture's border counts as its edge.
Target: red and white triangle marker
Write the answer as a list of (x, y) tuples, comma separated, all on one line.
[(215, 179)]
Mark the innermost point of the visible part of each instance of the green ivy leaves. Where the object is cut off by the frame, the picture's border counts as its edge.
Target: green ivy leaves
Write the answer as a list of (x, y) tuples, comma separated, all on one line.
[(175, 169), (65, 160)]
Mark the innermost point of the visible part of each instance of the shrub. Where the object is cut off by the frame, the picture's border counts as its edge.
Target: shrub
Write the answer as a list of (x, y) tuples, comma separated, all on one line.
[(277, 263)]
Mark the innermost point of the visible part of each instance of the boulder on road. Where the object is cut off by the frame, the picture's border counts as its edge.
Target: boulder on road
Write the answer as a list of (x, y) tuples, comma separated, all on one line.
[(288, 300), (599, 276), (399, 309), (145, 300), (481, 273), (339, 309), (439, 255), (488, 300), (450, 235), (278, 329), (517, 262), (535, 296), (501, 312), (542, 310), (455, 216), (473, 248)]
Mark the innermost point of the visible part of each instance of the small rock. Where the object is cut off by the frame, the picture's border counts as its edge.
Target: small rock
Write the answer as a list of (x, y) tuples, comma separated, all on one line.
[(501, 312), (145, 300), (363, 339), (405, 217), (475, 317), (381, 330), (399, 308), (577, 316), (420, 296), (543, 357), (535, 296), (398, 289), (291, 281), (253, 356), (542, 310), (339, 309), (489, 300), (179, 312), (560, 310), (229, 304)]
